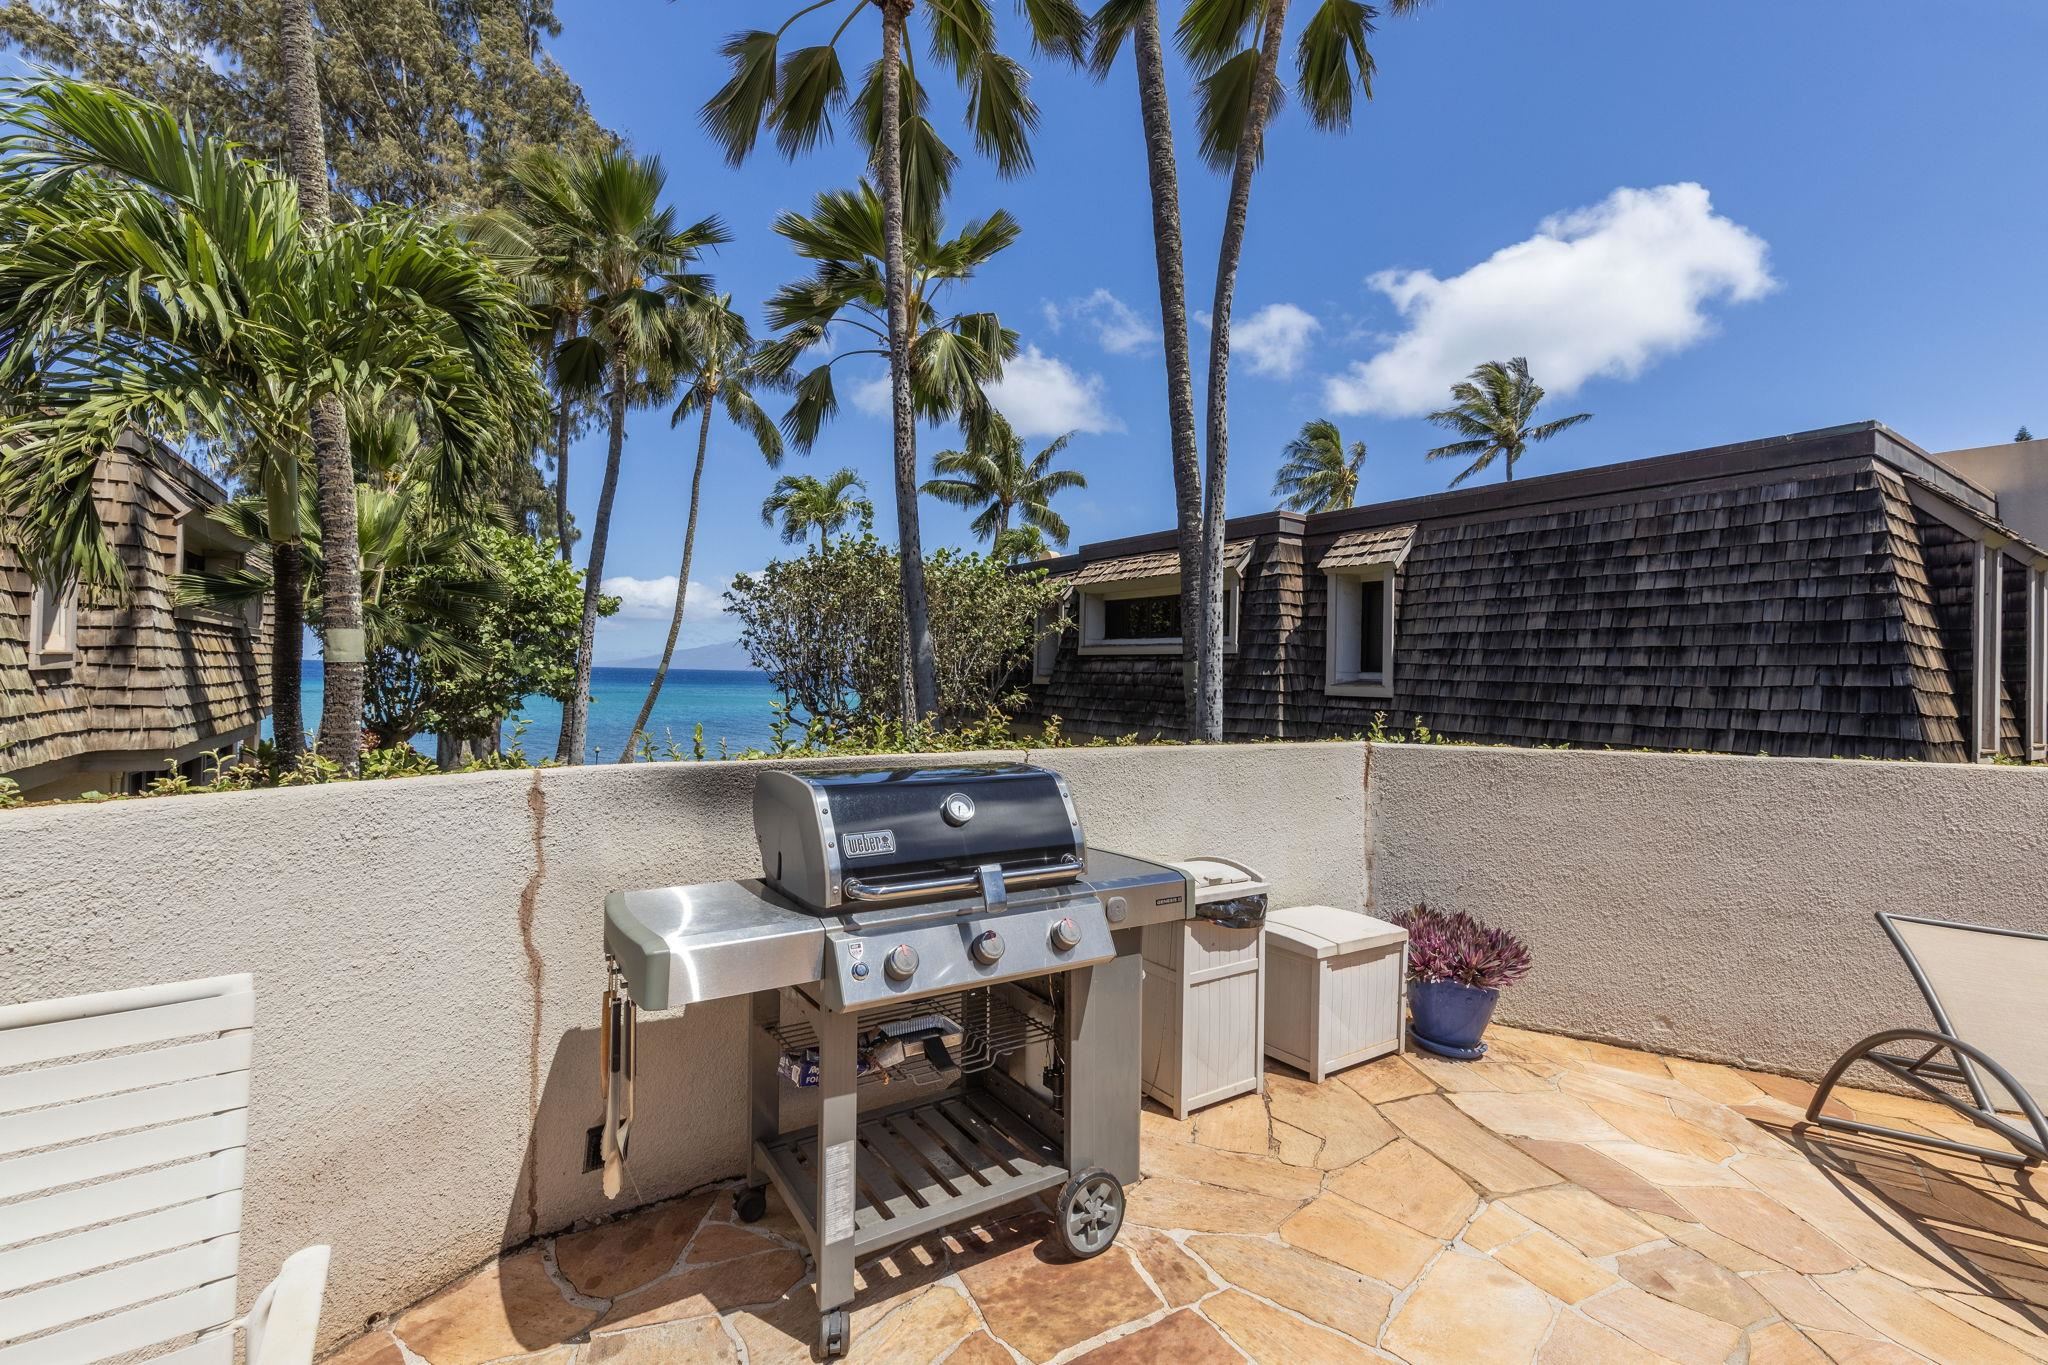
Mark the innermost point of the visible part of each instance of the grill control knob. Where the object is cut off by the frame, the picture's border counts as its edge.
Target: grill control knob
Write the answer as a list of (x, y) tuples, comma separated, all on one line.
[(901, 962), (1066, 935), (957, 809), (987, 948)]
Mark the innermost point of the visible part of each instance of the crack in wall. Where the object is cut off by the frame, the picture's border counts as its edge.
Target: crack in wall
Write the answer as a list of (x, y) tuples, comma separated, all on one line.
[(536, 972)]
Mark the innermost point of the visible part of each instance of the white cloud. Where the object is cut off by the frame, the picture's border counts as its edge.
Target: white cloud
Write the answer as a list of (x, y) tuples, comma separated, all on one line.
[(1276, 338), (1044, 396), (1600, 291), (872, 396), (654, 599), (1118, 328)]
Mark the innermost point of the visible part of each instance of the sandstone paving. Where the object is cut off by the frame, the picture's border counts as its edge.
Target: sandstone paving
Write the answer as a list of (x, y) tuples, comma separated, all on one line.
[(1584, 1219), (1581, 1341), (1561, 1202), (1372, 1244), (1682, 1276), (1272, 1336), (1438, 1326), (1668, 1329), (1410, 1186), (1553, 1267), (1328, 1293)]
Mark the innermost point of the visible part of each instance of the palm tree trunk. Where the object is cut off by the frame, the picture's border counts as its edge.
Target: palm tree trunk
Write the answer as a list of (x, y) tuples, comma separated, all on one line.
[(576, 711), (562, 477), (1209, 711), (1164, 175), (921, 681), (287, 647), (675, 622), (341, 580)]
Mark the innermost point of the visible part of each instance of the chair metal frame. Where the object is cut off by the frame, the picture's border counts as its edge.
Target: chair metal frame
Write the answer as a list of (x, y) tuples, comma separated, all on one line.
[(2032, 1142)]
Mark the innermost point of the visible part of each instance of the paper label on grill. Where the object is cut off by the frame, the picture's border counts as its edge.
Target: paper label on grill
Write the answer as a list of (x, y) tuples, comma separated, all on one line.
[(866, 843), (839, 1192)]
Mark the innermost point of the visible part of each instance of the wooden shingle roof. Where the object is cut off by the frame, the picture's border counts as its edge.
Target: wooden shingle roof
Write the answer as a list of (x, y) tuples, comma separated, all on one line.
[(1361, 549), (1162, 564)]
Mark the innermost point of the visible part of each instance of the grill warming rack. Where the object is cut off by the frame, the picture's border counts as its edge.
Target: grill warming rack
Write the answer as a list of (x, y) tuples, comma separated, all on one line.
[(991, 1028)]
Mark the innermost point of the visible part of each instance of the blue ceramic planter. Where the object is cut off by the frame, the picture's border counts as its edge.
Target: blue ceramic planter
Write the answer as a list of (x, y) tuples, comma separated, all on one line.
[(1449, 1019)]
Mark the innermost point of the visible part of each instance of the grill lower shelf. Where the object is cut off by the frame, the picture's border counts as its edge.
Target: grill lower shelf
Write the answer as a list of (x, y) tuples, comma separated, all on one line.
[(920, 1166)]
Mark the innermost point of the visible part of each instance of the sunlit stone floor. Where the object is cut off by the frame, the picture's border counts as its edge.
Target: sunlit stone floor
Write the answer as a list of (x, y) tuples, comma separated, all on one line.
[(1558, 1202)]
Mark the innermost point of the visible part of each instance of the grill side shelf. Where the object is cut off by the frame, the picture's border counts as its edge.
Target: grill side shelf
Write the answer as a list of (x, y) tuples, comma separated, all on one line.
[(921, 1167)]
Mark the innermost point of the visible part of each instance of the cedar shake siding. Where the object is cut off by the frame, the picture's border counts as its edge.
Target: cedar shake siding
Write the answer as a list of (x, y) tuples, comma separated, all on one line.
[(146, 682), (1794, 596)]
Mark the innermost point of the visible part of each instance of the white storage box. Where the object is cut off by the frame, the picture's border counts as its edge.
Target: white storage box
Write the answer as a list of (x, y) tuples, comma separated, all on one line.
[(1204, 996), (1335, 989)]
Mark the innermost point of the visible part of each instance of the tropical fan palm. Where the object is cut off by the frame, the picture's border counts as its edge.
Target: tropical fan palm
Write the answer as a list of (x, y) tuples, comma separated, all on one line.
[(151, 278), (992, 473), (1319, 474), (599, 227), (952, 357), (807, 504), (797, 97), (723, 368), (1492, 412)]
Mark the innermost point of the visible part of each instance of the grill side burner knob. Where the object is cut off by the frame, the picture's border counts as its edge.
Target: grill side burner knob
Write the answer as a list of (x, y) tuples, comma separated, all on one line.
[(1066, 935), (901, 962), (987, 948)]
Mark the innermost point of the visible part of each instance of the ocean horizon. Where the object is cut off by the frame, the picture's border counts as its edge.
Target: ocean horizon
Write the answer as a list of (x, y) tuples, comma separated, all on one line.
[(733, 706)]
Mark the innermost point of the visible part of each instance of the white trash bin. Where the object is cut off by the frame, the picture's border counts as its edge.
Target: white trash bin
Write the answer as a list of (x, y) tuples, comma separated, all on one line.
[(1335, 988), (1204, 1000)]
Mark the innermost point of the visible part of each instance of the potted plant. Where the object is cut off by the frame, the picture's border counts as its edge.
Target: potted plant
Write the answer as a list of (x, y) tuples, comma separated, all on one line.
[(1457, 966)]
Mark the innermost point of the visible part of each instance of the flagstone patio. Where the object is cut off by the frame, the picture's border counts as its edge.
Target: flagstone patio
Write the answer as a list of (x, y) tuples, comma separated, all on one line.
[(1559, 1202)]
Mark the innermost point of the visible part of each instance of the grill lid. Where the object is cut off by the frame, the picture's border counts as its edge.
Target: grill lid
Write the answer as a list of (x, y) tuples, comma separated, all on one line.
[(910, 833)]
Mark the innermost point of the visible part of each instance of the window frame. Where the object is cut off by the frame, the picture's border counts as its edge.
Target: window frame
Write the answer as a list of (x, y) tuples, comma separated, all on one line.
[(1344, 628), (1090, 615), (41, 653)]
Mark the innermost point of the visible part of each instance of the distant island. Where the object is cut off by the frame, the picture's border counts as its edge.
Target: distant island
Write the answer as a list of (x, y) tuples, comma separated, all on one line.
[(726, 654)]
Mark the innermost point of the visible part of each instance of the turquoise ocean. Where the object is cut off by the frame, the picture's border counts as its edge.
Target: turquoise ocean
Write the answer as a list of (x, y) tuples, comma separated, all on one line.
[(730, 705)]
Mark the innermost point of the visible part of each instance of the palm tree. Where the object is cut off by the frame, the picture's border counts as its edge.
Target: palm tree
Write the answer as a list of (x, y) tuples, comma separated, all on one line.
[(1319, 474), (150, 278), (912, 165), (806, 504), (1493, 411), (993, 471), (600, 217), (1234, 47), (342, 653), (1020, 545), (1139, 20), (723, 368)]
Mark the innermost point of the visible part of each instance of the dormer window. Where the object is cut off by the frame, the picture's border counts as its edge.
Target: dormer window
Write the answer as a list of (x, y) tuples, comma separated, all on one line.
[(53, 625), (1361, 572), (1131, 604)]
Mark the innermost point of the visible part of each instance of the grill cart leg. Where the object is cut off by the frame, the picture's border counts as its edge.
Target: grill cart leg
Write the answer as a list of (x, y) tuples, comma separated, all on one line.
[(1103, 1026), (764, 1095), (838, 1115)]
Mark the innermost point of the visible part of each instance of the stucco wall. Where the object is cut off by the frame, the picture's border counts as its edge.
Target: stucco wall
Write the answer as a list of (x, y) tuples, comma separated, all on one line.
[(428, 970), (1708, 906)]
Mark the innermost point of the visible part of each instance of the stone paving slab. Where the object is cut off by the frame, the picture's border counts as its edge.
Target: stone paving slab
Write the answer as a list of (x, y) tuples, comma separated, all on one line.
[(1561, 1202)]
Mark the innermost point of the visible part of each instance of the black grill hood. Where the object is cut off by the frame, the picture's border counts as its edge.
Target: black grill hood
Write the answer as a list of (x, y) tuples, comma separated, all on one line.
[(816, 830)]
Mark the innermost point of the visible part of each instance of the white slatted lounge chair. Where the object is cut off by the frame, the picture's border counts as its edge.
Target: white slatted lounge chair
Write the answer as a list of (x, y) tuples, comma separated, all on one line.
[(1988, 991), (123, 1122)]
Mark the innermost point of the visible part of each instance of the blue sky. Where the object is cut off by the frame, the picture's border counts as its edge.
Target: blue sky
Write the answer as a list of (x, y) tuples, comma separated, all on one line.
[(1711, 221)]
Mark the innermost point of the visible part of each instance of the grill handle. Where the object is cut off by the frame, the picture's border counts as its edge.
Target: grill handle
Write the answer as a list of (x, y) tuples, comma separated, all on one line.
[(876, 893)]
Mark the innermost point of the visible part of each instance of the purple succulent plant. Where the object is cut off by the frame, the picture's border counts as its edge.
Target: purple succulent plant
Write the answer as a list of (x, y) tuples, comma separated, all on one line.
[(1453, 946)]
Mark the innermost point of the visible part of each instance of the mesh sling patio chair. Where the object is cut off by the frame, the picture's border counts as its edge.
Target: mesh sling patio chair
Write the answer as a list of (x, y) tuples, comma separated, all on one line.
[(1988, 991), (123, 1124)]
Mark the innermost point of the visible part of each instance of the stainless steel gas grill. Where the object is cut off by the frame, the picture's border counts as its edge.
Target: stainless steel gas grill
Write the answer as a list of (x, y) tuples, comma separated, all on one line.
[(942, 956)]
